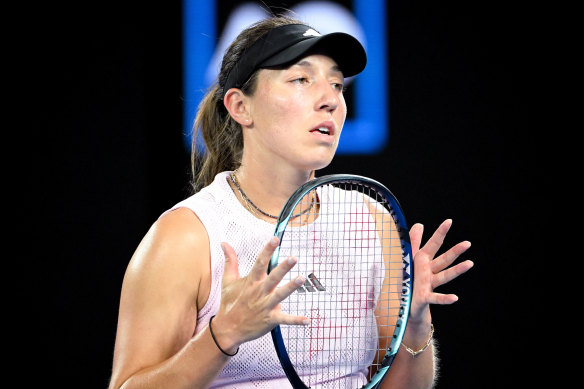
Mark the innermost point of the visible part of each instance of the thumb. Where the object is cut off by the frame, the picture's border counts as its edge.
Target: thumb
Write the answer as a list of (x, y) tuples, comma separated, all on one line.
[(416, 237), (231, 271)]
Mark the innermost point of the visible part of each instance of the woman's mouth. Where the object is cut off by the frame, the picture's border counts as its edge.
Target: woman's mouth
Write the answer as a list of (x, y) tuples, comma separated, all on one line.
[(325, 128), (322, 130)]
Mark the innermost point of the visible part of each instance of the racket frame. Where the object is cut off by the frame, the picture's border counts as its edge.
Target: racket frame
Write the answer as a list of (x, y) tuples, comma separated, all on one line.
[(408, 271)]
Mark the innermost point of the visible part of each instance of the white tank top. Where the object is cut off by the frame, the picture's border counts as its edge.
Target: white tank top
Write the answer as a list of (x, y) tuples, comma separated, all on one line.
[(256, 365)]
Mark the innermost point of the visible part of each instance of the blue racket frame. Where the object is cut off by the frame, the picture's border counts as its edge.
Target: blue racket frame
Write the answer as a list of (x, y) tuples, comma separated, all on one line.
[(408, 271)]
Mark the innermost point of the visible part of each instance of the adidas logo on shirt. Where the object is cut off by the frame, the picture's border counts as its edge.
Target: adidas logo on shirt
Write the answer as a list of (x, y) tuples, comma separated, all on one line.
[(311, 285)]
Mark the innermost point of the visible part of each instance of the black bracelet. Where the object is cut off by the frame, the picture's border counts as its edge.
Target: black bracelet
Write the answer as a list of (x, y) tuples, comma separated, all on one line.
[(215, 340)]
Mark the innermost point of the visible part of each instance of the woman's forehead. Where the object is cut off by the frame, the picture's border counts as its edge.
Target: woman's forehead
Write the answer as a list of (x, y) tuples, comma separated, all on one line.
[(313, 62)]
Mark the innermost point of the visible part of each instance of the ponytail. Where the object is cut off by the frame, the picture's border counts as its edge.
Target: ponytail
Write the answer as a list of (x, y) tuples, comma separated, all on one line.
[(223, 136), (223, 140)]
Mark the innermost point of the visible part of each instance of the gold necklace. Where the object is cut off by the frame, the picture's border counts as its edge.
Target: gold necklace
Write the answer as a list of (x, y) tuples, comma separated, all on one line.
[(233, 179)]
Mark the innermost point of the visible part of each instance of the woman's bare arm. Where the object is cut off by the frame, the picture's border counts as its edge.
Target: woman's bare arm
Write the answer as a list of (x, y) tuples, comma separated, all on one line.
[(165, 283)]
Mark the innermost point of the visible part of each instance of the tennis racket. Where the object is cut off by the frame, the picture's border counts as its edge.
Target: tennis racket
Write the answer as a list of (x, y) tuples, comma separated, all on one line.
[(351, 241)]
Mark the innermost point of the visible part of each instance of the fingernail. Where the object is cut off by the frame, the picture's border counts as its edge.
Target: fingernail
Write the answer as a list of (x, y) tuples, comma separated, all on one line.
[(292, 260), (274, 241), (306, 321), (299, 280)]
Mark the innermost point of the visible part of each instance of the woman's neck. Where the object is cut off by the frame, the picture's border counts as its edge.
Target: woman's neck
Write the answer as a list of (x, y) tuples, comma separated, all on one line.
[(266, 187)]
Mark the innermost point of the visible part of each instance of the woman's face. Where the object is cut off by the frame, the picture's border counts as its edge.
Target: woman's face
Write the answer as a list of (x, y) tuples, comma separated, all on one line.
[(298, 113)]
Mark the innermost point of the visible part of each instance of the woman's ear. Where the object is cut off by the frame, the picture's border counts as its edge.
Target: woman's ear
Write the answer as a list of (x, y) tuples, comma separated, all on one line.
[(237, 104)]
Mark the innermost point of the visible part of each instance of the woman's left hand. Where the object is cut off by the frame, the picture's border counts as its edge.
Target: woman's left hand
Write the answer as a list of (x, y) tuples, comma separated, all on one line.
[(430, 272)]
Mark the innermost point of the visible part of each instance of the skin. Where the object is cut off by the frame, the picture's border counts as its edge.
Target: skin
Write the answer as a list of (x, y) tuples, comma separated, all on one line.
[(280, 150), (168, 278)]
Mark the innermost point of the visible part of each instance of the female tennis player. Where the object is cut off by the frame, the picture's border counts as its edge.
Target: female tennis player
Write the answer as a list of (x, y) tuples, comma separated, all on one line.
[(197, 305)]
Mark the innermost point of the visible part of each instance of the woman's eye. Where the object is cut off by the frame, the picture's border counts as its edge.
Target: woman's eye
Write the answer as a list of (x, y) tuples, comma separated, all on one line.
[(301, 80), (338, 86)]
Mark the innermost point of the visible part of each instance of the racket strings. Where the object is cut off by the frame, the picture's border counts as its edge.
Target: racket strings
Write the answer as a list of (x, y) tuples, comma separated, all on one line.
[(350, 253), (306, 211)]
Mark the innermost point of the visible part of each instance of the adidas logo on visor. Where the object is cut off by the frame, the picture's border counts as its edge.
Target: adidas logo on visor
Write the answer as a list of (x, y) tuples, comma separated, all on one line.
[(311, 32)]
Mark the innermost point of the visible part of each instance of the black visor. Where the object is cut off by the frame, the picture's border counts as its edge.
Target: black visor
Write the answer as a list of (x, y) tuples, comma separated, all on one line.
[(284, 45)]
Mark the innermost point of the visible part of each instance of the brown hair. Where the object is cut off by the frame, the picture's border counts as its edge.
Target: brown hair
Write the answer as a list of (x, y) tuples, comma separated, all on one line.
[(222, 135)]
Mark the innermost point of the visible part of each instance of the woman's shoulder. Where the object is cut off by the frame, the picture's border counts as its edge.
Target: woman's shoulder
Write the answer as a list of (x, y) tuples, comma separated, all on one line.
[(180, 228), (176, 240)]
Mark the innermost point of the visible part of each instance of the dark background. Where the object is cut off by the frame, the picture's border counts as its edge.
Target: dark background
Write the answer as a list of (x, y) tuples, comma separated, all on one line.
[(107, 158)]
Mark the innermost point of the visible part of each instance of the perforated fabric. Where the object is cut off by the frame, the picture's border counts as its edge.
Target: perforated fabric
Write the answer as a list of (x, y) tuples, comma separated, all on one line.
[(256, 365), (337, 249)]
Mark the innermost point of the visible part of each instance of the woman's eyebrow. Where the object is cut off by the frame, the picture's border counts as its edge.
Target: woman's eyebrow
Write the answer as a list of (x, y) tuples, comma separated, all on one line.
[(306, 63), (303, 63)]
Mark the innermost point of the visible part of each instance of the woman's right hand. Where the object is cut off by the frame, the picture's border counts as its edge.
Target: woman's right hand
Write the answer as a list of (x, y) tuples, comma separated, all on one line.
[(250, 306)]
